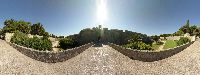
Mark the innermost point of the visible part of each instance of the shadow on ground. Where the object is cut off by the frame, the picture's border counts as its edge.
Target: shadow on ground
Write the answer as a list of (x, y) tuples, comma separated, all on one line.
[(98, 45)]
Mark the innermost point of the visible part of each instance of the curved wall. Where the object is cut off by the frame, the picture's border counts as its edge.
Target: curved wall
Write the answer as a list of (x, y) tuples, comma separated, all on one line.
[(149, 56), (51, 57)]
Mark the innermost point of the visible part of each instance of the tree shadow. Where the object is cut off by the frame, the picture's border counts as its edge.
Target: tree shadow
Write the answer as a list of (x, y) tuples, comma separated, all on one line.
[(98, 45)]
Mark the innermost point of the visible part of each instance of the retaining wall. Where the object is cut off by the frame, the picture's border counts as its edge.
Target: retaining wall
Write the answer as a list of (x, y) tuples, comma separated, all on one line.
[(149, 56), (49, 56)]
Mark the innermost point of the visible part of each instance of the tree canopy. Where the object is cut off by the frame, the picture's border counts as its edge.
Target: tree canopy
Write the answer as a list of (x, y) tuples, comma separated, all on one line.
[(12, 26)]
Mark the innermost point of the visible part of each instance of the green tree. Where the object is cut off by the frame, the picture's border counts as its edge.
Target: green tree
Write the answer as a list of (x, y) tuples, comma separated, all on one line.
[(156, 38), (37, 29), (23, 26), (186, 27), (66, 43), (11, 26)]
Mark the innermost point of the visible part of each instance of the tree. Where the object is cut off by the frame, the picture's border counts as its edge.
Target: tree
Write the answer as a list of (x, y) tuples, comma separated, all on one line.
[(186, 27), (193, 30), (66, 43), (11, 26), (37, 29), (156, 38), (23, 26)]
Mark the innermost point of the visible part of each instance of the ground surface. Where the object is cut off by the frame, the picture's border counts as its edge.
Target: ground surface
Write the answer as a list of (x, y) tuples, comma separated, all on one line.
[(170, 44), (101, 61)]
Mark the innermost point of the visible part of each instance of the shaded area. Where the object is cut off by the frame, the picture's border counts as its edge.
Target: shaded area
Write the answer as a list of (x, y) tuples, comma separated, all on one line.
[(98, 45)]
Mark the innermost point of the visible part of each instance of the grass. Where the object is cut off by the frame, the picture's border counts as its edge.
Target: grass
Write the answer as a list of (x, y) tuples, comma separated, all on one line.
[(155, 46), (170, 44)]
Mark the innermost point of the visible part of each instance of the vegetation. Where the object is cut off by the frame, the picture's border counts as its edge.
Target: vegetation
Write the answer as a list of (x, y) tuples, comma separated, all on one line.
[(170, 44), (187, 28), (67, 42), (99, 35), (183, 40), (12, 26), (35, 42), (165, 35), (156, 38), (126, 38), (155, 46), (136, 43)]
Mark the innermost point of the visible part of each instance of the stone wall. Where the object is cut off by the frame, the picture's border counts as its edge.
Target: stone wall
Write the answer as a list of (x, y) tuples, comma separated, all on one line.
[(51, 57), (149, 56)]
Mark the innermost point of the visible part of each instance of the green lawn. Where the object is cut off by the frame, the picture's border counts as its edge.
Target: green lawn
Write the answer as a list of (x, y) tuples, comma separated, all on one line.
[(170, 44)]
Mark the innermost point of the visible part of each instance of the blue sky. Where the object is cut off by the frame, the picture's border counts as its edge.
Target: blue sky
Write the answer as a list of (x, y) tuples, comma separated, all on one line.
[(67, 17)]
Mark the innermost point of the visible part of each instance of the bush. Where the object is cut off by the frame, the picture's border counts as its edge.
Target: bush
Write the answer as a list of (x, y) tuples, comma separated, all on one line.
[(66, 43), (35, 42), (183, 40), (19, 38), (40, 44), (143, 46), (138, 45)]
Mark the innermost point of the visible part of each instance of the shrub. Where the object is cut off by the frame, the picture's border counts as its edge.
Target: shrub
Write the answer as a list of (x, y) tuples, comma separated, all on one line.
[(40, 44), (66, 43), (138, 45), (143, 46), (19, 38), (35, 42), (183, 40)]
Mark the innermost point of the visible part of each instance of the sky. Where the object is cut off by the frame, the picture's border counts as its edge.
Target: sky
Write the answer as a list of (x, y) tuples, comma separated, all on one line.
[(68, 17)]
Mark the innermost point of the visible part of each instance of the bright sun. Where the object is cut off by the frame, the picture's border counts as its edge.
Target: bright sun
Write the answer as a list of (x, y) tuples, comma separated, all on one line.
[(101, 11)]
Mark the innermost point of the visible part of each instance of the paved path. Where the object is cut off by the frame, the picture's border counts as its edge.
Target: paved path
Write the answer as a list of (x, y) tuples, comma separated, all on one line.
[(101, 61)]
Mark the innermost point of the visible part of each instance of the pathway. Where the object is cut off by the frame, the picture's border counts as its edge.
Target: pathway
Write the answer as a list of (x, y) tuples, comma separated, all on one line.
[(101, 61)]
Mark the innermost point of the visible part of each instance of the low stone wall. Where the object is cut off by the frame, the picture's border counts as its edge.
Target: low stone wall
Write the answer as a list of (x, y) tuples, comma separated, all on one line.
[(149, 56), (51, 57)]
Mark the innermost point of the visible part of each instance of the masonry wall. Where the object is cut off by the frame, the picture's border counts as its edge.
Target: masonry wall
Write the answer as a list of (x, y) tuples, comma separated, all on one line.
[(51, 57), (149, 56)]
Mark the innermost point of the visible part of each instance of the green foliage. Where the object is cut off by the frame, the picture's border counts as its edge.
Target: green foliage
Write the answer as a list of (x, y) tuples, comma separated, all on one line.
[(11, 26), (155, 38), (165, 35), (136, 42), (19, 38), (139, 46), (192, 30), (66, 43), (40, 44), (38, 29), (183, 40), (179, 33), (35, 42)]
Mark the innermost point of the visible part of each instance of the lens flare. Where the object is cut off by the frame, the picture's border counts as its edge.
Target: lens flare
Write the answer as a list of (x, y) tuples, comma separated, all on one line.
[(101, 11)]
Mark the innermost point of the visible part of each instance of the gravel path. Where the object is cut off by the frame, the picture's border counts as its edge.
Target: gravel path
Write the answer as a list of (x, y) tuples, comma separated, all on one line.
[(100, 61), (162, 46)]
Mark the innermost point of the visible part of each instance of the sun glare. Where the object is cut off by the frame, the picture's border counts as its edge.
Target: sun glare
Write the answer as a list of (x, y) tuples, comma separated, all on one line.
[(101, 11)]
